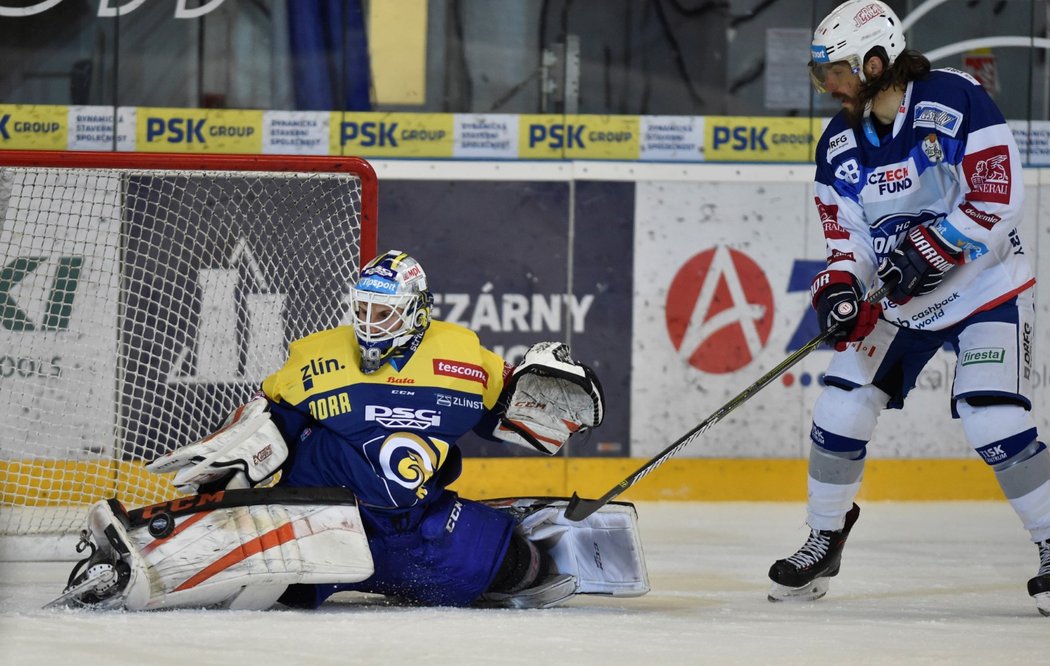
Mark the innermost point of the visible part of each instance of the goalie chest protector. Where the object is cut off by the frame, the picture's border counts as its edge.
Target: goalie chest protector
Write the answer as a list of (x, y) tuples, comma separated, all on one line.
[(386, 434)]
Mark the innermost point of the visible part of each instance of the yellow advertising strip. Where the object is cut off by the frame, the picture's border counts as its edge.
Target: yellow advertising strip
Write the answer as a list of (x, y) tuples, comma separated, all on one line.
[(590, 137), (198, 131), (752, 139), (41, 483), (34, 127), (392, 134)]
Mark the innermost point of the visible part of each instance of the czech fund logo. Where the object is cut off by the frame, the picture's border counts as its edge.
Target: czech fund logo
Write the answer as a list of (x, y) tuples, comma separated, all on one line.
[(719, 310)]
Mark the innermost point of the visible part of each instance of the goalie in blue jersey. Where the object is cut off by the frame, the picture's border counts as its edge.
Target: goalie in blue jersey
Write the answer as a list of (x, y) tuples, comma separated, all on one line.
[(374, 408), (918, 187)]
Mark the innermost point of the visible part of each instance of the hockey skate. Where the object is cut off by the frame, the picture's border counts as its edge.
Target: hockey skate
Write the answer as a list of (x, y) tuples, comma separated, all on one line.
[(551, 590), (806, 575), (1039, 587), (96, 581)]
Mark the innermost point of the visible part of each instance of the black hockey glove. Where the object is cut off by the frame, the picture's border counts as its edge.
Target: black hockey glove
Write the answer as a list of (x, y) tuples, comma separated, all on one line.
[(917, 266), (841, 308)]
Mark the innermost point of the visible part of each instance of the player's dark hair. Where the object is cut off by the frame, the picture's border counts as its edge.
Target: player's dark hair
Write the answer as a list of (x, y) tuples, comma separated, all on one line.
[(909, 66)]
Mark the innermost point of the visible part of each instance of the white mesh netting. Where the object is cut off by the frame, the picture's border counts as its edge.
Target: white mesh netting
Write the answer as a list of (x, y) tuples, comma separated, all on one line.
[(139, 308)]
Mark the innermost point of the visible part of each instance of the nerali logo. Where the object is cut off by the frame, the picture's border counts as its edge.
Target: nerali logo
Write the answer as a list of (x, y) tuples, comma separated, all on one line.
[(719, 310)]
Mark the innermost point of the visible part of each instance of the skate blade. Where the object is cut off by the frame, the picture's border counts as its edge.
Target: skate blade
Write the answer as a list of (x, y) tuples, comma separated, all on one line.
[(104, 578), (810, 592), (1042, 602)]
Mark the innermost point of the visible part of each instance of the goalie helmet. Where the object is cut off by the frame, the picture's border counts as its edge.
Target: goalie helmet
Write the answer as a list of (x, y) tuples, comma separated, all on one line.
[(390, 307), (849, 32)]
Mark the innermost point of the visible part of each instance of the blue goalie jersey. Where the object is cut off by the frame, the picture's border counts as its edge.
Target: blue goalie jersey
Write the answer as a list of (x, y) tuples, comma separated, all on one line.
[(389, 436), (949, 162)]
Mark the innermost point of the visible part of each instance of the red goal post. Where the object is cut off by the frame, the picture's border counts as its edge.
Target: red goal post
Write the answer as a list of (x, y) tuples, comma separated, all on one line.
[(144, 296)]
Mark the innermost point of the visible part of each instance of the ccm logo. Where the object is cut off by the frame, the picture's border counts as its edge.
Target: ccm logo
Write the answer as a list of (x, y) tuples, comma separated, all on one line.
[(474, 373)]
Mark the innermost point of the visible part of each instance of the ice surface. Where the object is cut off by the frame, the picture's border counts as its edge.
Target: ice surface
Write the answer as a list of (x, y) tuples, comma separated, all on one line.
[(921, 583)]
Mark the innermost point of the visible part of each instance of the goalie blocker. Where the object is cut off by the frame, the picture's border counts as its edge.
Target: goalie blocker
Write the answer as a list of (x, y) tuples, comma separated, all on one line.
[(230, 550)]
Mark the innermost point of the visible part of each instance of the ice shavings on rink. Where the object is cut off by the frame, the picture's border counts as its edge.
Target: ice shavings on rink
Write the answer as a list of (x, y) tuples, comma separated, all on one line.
[(921, 583)]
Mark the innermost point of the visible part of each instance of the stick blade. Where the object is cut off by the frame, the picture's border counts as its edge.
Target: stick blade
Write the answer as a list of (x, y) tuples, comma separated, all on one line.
[(579, 508)]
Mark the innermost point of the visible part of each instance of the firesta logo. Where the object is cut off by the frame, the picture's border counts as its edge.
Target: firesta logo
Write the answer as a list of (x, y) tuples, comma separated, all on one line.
[(719, 310)]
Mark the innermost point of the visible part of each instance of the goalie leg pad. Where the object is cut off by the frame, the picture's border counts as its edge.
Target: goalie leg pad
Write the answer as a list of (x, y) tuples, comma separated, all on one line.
[(239, 558), (603, 553)]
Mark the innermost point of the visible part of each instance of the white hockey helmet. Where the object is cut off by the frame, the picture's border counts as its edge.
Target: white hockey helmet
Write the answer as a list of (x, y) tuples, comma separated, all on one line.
[(849, 32), (390, 307)]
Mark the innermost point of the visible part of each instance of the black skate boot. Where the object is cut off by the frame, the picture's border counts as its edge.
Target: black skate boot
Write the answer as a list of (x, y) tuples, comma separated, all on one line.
[(805, 575), (1039, 587), (96, 581)]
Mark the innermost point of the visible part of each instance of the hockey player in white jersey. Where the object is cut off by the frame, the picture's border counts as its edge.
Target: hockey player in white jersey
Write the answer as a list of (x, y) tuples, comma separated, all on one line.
[(918, 185)]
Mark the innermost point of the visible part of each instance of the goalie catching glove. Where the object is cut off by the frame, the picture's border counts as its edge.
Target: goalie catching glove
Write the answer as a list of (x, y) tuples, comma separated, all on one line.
[(549, 397), (244, 452)]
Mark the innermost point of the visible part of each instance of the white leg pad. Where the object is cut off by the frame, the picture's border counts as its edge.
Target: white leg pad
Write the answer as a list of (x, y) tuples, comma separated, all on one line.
[(603, 552), (239, 557)]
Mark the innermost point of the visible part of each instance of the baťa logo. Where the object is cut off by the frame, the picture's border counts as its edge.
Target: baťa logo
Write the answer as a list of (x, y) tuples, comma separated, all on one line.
[(719, 310)]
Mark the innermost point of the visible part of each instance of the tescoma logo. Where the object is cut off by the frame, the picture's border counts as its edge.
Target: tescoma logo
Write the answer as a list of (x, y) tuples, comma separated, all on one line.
[(983, 355)]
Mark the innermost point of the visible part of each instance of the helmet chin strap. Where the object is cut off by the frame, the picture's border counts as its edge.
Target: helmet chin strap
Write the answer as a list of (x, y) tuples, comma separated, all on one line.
[(371, 360)]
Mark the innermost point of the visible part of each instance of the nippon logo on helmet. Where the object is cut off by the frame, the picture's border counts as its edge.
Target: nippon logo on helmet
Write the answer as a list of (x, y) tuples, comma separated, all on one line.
[(379, 285)]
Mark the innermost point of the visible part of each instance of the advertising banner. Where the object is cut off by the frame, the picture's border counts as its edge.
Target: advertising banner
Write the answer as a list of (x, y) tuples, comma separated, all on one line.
[(296, 132), (220, 274), (497, 255), (722, 275), (743, 139), (198, 131), (578, 137), (58, 312), (33, 127), (392, 134)]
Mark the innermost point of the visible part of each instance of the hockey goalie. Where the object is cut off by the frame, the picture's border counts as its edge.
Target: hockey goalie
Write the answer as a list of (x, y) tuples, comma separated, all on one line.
[(359, 428)]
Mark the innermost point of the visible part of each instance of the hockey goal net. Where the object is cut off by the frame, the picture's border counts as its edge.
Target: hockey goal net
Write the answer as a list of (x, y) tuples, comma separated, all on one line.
[(144, 297)]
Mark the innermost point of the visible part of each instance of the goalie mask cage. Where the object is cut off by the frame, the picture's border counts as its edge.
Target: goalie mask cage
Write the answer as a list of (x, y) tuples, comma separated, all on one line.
[(144, 297)]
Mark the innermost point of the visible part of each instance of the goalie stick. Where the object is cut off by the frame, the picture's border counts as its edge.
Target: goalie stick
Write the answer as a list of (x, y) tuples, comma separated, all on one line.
[(579, 508)]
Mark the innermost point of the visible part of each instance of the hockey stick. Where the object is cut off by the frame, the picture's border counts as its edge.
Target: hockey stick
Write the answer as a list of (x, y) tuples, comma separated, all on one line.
[(580, 508)]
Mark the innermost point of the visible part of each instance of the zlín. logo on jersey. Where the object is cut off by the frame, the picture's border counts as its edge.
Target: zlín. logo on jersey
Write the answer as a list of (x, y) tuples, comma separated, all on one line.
[(719, 310)]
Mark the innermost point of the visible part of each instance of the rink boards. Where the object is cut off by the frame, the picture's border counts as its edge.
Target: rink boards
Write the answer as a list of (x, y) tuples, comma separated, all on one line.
[(612, 257)]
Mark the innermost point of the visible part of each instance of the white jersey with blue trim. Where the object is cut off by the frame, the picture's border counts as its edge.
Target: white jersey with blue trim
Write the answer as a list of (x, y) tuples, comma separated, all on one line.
[(950, 162)]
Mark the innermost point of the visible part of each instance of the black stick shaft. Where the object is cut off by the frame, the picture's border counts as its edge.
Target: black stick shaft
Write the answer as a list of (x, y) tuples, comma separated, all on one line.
[(580, 508)]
